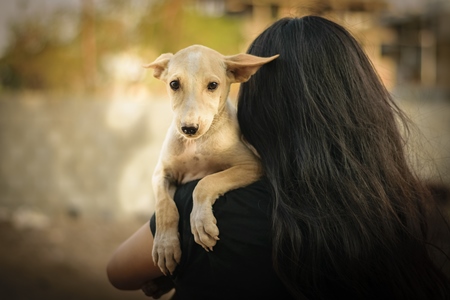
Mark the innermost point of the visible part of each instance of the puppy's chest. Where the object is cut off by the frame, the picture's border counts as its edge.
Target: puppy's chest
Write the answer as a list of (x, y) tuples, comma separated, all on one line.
[(195, 162)]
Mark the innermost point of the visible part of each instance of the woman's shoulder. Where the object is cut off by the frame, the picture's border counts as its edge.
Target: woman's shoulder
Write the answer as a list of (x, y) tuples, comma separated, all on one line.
[(258, 190), (240, 267)]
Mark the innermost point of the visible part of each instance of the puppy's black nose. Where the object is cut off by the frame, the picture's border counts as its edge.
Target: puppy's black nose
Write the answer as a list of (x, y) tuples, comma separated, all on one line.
[(189, 130)]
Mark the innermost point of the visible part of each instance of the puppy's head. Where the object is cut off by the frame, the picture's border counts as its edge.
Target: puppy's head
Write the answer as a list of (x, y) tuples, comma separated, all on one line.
[(198, 81)]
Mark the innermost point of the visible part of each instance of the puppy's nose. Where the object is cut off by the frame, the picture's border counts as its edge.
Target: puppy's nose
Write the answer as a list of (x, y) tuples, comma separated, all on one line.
[(189, 130)]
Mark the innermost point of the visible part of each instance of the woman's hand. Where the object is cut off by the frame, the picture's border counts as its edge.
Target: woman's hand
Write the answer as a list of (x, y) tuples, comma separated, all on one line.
[(157, 287)]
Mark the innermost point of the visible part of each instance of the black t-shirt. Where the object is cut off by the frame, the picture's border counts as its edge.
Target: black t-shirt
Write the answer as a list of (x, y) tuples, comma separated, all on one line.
[(240, 267)]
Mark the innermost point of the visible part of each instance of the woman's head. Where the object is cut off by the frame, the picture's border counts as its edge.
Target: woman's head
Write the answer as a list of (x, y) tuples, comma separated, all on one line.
[(321, 88), (319, 116), (326, 130)]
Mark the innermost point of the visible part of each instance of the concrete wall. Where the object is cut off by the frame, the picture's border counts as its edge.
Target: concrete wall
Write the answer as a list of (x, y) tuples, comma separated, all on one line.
[(80, 156), (429, 139), (95, 157)]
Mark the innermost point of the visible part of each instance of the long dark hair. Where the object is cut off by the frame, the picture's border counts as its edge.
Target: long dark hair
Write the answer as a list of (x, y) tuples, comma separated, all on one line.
[(349, 215)]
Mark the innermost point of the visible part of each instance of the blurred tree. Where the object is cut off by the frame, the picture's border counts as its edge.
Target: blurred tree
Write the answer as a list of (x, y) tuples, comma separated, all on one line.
[(44, 54), (38, 59), (88, 43), (170, 25)]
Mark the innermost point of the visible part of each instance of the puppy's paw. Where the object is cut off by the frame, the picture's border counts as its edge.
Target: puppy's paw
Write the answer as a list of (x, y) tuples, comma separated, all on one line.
[(203, 227), (166, 251)]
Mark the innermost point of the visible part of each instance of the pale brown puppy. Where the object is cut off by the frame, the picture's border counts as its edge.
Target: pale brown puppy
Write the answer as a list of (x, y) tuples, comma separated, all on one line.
[(203, 141)]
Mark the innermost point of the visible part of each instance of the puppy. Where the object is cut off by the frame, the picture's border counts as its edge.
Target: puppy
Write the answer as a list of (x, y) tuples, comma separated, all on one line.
[(203, 141)]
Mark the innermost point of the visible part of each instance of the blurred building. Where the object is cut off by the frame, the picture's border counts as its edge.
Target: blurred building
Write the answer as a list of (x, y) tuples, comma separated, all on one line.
[(408, 40), (421, 47)]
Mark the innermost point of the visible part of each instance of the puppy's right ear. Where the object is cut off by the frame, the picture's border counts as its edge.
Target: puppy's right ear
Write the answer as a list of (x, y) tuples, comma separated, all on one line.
[(160, 64)]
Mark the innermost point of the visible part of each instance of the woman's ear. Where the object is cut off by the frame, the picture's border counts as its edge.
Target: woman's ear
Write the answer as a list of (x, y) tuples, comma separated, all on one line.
[(160, 64), (242, 66)]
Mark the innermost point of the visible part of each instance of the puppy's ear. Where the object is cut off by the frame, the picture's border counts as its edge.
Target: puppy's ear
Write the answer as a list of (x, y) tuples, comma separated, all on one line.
[(241, 67), (160, 64)]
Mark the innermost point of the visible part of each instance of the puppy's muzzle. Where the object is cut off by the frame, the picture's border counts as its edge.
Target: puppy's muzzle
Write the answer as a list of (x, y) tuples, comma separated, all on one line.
[(189, 130)]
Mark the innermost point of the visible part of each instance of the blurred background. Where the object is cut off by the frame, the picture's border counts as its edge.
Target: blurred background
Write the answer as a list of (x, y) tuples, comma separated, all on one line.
[(81, 122)]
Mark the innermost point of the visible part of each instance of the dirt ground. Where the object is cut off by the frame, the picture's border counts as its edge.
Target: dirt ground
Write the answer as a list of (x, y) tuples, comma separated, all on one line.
[(64, 260), (65, 257)]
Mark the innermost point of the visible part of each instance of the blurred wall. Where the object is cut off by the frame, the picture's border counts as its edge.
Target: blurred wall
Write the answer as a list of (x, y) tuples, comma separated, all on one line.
[(80, 157), (84, 143)]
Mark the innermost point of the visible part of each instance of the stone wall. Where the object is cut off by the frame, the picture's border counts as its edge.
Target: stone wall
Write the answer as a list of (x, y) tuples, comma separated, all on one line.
[(429, 139), (80, 156), (96, 156)]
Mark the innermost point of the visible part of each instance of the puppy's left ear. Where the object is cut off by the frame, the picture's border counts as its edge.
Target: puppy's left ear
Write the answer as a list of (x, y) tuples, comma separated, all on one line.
[(242, 66), (160, 64)]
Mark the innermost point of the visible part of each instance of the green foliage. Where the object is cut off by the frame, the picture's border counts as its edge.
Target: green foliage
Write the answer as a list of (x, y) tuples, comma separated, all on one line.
[(38, 58), (170, 26), (223, 34)]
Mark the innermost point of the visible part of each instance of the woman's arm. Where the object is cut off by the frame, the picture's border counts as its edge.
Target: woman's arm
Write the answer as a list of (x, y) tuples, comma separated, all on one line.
[(131, 266)]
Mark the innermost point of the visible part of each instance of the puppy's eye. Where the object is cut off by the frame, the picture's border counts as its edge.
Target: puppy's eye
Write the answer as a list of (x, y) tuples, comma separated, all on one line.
[(212, 86), (174, 85)]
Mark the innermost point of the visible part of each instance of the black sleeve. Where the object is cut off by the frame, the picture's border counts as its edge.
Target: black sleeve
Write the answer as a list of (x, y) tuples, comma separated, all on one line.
[(240, 266)]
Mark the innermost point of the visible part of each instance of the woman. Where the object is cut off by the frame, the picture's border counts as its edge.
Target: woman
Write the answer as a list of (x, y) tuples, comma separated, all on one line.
[(347, 215)]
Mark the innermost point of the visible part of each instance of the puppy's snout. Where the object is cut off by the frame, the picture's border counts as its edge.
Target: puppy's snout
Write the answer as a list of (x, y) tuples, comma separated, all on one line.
[(189, 130)]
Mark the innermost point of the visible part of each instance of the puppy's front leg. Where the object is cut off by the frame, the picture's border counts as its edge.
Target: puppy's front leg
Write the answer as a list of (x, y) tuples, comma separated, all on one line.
[(203, 223), (166, 245)]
